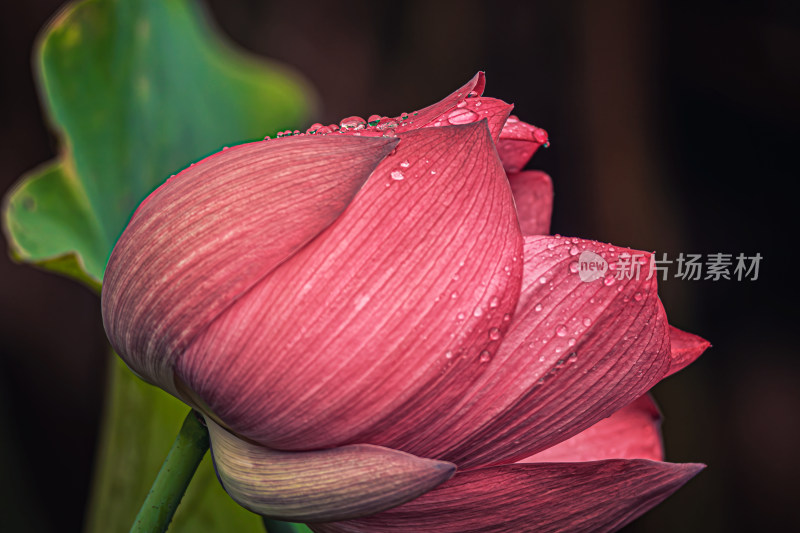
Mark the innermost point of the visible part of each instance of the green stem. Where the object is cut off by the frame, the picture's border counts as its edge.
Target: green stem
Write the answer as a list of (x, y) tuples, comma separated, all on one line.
[(161, 502)]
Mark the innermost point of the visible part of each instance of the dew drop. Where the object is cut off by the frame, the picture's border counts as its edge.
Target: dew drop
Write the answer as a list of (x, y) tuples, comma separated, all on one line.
[(587, 322), (494, 302), (574, 250), (461, 116), (460, 316), (506, 318), (494, 334), (543, 280), (352, 122), (573, 267), (454, 295), (638, 296), (478, 311), (462, 103), (571, 342), (397, 175), (405, 164), (609, 281), (486, 356), (561, 330), (538, 308), (448, 355)]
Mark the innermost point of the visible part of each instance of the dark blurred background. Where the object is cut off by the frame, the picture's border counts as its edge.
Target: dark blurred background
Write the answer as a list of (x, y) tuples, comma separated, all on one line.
[(674, 127)]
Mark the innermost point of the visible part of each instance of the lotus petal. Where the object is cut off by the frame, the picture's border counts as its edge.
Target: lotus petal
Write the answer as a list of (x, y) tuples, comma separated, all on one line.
[(533, 196), (211, 232), (576, 352), (593, 497), (518, 142), (378, 325), (630, 433), (686, 348), (334, 484)]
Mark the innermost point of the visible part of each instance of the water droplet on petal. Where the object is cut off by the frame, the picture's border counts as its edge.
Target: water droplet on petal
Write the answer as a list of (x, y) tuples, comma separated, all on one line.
[(486, 356), (461, 116), (543, 280), (638, 296), (574, 250), (571, 342), (561, 330), (494, 302), (462, 103), (448, 355), (397, 175), (609, 281), (494, 334), (352, 122), (538, 308), (478, 311), (460, 316), (574, 267), (587, 322)]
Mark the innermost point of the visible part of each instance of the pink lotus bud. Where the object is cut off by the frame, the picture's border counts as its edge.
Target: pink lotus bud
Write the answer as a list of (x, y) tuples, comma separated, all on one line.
[(358, 311)]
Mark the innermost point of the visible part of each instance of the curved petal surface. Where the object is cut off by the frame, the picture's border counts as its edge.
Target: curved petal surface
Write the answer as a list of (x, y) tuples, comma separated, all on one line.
[(533, 196), (212, 231), (633, 432), (378, 325), (518, 142), (324, 485), (428, 115), (549, 497), (686, 348), (576, 352), (471, 110)]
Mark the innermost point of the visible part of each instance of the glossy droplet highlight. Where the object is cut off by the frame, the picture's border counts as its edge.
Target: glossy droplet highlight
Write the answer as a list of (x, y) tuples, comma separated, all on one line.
[(609, 281), (485, 356), (538, 307), (561, 330), (478, 311), (494, 334), (571, 342), (587, 322), (494, 302), (352, 123), (397, 175), (405, 164), (574, 267), (461, 116), (638, 296)]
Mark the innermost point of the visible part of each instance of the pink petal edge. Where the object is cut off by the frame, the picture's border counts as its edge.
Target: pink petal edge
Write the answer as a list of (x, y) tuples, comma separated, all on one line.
[(597, 496), (633, 432), (686, 348), (533, 197)]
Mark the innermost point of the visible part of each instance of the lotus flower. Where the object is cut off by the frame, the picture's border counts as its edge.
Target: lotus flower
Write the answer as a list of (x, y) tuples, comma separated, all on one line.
[(382, 337)]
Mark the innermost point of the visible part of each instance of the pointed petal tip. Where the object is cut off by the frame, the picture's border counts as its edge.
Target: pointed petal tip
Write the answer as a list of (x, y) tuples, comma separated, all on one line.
[(685, 349)]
